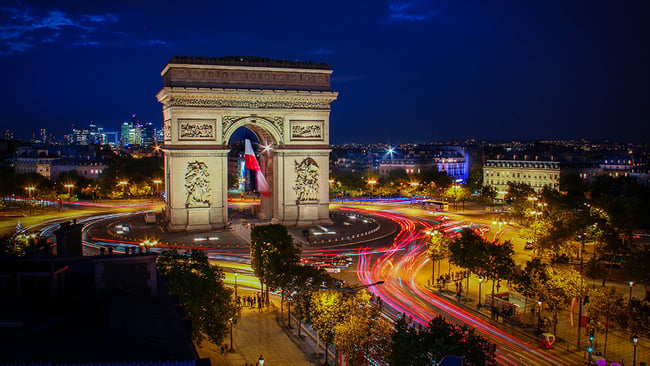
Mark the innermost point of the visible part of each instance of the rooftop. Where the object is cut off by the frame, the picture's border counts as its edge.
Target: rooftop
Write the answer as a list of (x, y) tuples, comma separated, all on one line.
[(248, 61)]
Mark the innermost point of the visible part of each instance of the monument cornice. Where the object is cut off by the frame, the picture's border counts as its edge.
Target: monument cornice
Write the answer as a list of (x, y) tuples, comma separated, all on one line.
[(244, 68), (245, 98)]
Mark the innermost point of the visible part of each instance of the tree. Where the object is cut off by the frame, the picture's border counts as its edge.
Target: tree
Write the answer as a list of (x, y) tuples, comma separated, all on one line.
[(411, 346), (605, 305), (522, 279), (307, 281), (468, 251), (557, 287), (362, 334), (326, 312), (638, 267), (272, 250), (407, 349), (498, 262), (200, 289), (438, 249)]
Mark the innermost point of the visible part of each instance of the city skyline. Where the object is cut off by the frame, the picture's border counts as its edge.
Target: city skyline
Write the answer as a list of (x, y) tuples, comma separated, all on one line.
[(406, 71)]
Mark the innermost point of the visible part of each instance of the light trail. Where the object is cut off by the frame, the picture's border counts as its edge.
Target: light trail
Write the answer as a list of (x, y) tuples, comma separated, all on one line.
[(398, 265)]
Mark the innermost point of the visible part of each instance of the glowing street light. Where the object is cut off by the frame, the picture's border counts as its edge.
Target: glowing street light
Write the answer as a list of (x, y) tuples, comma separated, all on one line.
[(123, 184), (480, 282), (30, 190), (69, 187), (372, 183), (157, 182)]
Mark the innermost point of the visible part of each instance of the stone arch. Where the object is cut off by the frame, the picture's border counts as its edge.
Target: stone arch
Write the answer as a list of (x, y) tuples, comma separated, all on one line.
[(263, 127)]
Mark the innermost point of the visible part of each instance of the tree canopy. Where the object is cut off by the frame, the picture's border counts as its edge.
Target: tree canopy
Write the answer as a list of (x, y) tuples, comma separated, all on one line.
[(200, 289)]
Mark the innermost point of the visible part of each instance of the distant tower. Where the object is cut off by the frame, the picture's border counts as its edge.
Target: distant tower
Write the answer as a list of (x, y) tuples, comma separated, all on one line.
[(9, 134), (43, 135)]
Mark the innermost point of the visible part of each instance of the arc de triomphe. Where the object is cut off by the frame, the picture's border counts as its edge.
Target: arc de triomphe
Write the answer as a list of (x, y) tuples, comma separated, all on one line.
[(286, 104)]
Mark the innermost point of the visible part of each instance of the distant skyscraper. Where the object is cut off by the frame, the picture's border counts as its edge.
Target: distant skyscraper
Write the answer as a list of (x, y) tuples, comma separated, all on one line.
[(148, 134), (43, 135)]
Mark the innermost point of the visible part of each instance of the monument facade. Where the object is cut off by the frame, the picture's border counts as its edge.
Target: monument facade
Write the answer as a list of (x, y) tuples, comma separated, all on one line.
[(286, 104)]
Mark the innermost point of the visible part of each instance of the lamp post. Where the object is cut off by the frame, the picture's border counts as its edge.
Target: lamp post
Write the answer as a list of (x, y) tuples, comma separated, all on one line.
[(231, 349), (372, 183), (480, 282), (635, 340), (235, 283), (539, 314), (30, 190), (69, 187), (157, 182), (629, 305), (123, 184)]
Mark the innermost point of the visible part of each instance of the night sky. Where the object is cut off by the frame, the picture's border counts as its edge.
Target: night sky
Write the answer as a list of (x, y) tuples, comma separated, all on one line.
[(406, 71)]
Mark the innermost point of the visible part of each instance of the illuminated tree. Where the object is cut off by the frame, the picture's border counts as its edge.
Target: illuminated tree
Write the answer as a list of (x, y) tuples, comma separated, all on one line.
[(438, 249), (556, 287), (326, 312), (522, 279), (200, 290), (362, 334), (308, 280), (605, 305)]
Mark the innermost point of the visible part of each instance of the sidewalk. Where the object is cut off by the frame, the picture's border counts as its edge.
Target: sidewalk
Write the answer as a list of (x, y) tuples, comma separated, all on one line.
[(260, 333), (619, 345)]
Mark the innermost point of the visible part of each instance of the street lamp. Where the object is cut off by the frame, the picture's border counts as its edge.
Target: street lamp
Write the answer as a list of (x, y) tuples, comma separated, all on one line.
[(629, 304), (235, 283), (157, 182), (635, 340), (539, 314), (480, 282), (29, 190), (372, 183), (123, 184), (69, 187), (231, 349)]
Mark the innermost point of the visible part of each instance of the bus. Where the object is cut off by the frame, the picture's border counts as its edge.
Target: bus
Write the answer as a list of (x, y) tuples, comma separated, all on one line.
[(436, 205)]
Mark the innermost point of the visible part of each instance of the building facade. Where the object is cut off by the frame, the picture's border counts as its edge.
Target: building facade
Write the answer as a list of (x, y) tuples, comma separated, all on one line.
[(537, 174)]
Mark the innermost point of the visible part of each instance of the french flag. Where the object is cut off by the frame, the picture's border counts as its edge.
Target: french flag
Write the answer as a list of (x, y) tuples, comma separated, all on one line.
[(250, 163)]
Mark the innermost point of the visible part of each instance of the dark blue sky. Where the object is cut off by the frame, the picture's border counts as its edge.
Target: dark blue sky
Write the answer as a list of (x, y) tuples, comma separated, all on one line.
[(406, 71)]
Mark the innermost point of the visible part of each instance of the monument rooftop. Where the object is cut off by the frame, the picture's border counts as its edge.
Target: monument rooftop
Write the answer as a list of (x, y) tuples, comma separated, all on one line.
[(246, 72), (253, 61)]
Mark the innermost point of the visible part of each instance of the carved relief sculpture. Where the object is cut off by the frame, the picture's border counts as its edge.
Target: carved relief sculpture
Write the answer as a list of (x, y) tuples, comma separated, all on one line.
[(196, 129), (167, 130), (306, 130), (306, 180), (197, 184)]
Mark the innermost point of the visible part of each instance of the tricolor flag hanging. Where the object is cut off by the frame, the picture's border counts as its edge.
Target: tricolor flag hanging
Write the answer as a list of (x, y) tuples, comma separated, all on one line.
[(252, 164)]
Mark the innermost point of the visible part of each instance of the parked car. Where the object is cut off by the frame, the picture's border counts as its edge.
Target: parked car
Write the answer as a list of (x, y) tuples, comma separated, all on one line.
[(529, 245)]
